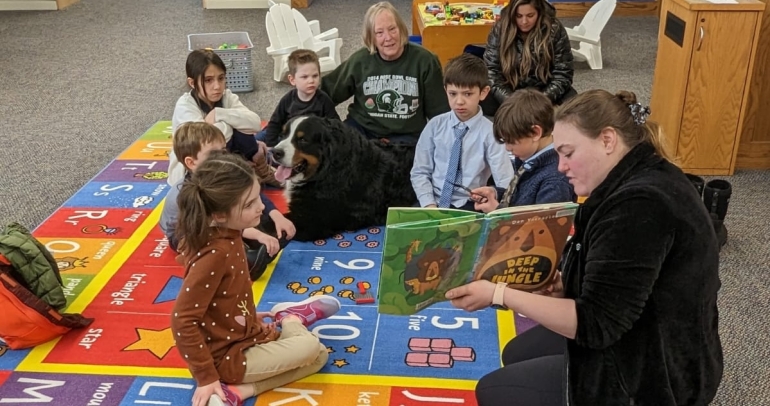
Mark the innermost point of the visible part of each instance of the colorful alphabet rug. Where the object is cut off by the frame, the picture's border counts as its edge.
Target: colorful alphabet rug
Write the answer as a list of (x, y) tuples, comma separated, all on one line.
[(118, 269)]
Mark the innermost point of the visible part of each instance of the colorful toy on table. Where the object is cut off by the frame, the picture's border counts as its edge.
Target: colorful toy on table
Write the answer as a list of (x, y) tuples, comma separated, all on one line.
[(462, 13), (226, 46), (433, 9)]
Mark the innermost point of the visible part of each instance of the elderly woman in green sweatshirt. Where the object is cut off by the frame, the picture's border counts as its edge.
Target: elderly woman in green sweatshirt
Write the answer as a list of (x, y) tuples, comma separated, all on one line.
[(396, 85)]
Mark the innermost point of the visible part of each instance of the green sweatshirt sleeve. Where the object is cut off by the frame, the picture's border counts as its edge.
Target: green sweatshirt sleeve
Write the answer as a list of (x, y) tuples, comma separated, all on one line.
[(339, 84), (435, 96)]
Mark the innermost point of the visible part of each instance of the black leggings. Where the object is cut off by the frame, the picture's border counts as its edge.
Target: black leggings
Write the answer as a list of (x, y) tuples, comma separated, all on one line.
[(531, 375)]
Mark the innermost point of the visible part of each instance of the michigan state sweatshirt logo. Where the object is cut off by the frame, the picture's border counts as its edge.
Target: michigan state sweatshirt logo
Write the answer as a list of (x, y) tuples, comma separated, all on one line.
[(391, 96)]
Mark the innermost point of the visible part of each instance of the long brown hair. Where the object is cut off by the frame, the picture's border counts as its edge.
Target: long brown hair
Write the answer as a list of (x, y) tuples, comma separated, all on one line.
[(539, 38), (197, 62), (215, 188), (593, 111)]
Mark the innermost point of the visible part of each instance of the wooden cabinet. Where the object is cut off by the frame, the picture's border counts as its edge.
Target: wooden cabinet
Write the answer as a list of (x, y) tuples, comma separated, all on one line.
[(754, 150), (706, 53)]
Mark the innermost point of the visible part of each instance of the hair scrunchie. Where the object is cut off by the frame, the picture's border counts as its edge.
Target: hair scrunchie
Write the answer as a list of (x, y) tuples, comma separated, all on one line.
[(639, 112)]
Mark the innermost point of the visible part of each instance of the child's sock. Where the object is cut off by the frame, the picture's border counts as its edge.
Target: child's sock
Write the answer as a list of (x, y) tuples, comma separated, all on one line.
[(243, 391), (234, 389), (232, 396)]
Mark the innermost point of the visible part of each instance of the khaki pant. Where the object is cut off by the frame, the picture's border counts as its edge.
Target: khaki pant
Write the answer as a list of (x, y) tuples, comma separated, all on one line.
[(296, 354)]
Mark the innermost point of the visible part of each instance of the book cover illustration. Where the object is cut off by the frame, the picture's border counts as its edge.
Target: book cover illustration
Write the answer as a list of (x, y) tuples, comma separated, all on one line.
[(426, 253), (523, 248)]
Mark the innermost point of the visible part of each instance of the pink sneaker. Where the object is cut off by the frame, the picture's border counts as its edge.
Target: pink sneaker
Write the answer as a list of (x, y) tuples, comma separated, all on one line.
[(309, 310), (231, 398)]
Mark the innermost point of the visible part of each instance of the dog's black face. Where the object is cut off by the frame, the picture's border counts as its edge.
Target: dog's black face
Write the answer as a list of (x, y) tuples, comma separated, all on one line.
[(304, 141)]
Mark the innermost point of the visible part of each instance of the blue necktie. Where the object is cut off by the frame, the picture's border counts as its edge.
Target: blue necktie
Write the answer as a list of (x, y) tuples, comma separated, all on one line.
[(453, 170)]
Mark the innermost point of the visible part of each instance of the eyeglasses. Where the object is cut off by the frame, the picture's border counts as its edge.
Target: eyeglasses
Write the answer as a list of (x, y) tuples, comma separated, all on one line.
[(473, 196)]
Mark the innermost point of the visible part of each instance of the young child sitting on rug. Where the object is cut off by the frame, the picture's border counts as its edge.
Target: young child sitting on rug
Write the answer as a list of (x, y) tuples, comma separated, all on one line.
[(231, 351), (457, 149), (524, 122), (305, 99), (209, 100), (193, 143)]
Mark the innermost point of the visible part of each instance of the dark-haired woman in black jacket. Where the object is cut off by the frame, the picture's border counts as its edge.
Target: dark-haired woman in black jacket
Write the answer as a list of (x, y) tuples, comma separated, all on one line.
[(528, 47)]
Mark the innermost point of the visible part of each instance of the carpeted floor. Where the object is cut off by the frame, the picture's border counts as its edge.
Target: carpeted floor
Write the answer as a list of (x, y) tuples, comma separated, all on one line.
[(119, 271), (78, 87)]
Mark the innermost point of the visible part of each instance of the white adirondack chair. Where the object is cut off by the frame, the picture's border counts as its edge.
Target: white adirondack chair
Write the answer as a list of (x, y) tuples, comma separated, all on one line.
[(588, 33), (288, 30)]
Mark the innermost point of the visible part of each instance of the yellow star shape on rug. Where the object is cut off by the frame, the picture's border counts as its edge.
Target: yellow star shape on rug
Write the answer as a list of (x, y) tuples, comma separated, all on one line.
[(352, 349), (329, 350), (158, 342), (339, 363)]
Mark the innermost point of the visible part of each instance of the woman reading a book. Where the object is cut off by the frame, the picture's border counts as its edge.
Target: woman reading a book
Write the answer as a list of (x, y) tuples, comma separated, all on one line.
[(632, 317)]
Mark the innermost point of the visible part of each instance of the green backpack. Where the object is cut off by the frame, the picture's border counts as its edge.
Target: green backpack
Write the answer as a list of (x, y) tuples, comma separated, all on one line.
[(34, 267)]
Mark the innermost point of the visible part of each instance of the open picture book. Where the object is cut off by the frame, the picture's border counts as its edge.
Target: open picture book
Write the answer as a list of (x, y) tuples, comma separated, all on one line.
[(428, 251)]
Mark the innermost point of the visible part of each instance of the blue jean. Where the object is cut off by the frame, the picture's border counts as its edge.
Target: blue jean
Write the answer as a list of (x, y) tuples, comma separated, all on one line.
[(261, 136)]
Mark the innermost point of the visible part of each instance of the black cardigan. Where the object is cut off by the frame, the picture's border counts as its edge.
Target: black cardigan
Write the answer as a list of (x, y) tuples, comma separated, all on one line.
[(643, 268)]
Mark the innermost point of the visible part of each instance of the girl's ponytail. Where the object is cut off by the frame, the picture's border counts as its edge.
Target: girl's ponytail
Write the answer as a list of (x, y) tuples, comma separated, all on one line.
[(193, 220)]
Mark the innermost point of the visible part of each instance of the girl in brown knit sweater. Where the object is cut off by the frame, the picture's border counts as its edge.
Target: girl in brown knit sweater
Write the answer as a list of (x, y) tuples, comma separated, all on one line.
[(232, 352)]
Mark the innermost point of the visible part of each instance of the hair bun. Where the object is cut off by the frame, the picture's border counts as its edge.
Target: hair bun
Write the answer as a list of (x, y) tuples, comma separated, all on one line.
[(628, 98)]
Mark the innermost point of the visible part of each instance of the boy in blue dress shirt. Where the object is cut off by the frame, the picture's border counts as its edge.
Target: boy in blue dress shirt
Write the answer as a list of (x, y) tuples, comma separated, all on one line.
[(458, 148)]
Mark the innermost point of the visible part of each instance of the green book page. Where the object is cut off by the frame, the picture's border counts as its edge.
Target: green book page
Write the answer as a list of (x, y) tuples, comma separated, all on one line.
[(421, 263), (419, 215)]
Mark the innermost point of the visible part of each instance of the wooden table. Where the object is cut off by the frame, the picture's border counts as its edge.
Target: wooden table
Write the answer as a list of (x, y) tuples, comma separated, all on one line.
[(448, 40)]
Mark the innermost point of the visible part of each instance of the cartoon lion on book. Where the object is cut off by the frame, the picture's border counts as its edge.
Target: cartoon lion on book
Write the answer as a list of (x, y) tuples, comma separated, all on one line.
[(425, 273)]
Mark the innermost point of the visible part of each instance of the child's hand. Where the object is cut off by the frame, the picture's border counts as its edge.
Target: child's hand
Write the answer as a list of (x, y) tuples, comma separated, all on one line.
[(267, 240), (211, 118), (202, 394), (262, 147), (283, 225), (430, 206), (258, 158), (269, 329), (555, 288), (491, 194), (270, 332)]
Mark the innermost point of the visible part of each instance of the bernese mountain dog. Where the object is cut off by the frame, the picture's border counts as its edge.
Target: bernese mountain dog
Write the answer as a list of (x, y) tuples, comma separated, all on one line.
[(337, 180)]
